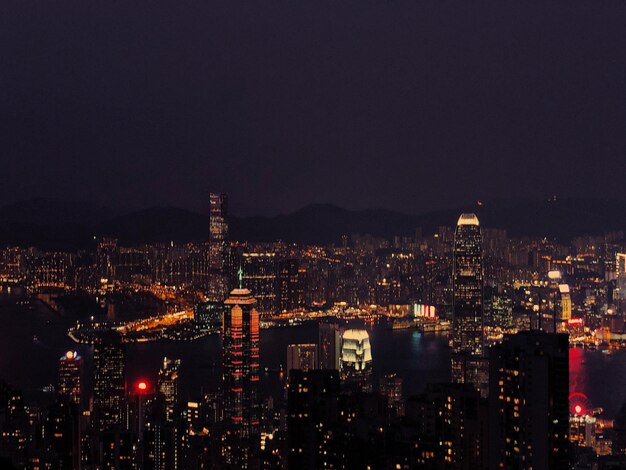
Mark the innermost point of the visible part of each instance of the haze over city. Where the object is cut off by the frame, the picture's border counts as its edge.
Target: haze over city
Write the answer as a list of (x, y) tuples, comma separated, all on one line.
[(376, 234), (404, 105)]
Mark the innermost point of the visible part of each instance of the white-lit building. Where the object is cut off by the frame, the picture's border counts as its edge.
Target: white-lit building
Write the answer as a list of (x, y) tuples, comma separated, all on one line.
[(356, 359)]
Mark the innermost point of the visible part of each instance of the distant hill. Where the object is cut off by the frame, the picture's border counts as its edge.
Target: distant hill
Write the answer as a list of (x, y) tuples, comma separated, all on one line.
[(50, 223), (157, 224)]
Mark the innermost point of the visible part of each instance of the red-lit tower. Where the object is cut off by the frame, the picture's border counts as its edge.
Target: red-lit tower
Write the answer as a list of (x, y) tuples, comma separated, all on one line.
[(240, 345)]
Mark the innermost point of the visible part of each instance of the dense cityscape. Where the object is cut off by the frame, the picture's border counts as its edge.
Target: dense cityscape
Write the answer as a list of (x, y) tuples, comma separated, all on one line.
[(510, 317), (309, 235)]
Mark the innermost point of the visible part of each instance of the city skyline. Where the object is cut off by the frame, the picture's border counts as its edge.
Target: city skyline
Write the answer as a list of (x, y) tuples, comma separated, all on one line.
[(456, 306), (312, 235)]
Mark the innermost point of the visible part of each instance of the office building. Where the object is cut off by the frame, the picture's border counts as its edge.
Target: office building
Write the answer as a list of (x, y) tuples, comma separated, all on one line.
[(240, 343), (109, 381), (217, 287), (468, 364), (167, 386), (70, 372), (356, 359)]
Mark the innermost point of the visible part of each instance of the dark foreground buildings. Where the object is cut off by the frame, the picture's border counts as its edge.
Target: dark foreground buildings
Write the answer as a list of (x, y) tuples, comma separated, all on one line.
[(528, 401)]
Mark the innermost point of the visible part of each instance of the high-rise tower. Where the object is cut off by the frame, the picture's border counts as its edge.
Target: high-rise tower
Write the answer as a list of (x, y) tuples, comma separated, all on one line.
[(356, 359), (467, 277), (109, 381), (167, 386), (240, 346), (218, 233), (70, 371)]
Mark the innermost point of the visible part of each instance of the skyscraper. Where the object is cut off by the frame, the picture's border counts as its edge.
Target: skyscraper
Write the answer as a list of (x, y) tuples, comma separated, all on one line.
[(356, 359), (109, 381), (468, 364), (240, 347), (528, 401), (70, 371), (217, 287), (167, 385)]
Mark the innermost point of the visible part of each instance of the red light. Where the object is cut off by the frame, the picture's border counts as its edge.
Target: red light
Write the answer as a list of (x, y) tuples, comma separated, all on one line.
[(578, 409), (142, 386)]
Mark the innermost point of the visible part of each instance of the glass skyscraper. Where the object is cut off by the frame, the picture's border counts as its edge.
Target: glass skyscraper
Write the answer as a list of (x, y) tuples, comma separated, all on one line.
[(217, 287), (468, 364)]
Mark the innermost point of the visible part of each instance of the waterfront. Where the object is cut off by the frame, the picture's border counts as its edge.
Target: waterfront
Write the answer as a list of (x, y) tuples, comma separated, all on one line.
[(419, 359)]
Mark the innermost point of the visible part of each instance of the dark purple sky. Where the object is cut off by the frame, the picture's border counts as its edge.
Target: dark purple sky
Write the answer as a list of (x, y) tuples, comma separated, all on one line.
[(411, 105)]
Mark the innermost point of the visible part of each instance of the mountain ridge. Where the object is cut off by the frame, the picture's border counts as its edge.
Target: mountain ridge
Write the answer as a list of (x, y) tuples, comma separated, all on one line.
[(52, 223)]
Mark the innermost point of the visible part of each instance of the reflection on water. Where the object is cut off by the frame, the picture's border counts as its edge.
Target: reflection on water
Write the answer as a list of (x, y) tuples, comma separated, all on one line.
[(601, 377), (418, 359)]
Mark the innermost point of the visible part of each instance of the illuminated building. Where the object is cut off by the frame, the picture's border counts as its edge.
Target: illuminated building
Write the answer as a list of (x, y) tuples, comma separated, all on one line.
[(301, 356), (70, 371), (109, 381), (564, 304), (356, 359), (329, 346), (312, 413), (167, 385), (528, 401), (217, 287), (467, 324), (240, 349)]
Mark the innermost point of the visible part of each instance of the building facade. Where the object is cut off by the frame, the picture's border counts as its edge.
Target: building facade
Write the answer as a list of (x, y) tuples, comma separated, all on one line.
[(240, 348), (468, 364)]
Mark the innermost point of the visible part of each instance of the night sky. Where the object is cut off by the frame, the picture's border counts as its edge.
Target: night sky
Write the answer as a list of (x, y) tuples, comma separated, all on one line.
[(408, 105)]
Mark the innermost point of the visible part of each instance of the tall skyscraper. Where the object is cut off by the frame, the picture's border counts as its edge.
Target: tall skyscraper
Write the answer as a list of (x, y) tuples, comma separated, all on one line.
[(356, 359), (301, 356), (217, 288), (70, 371), (329, 346), (240, 346), (167, 385), (109, 381), (528, 401), (468, 364)]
